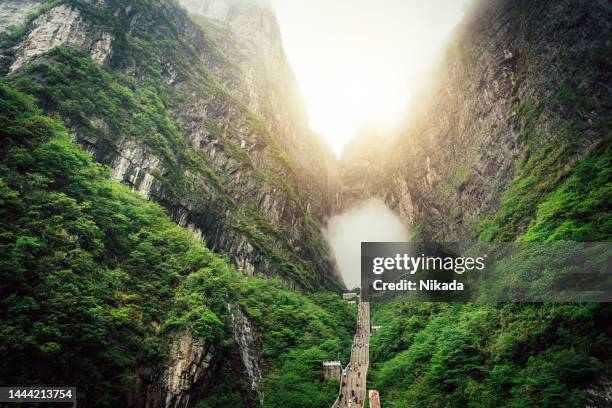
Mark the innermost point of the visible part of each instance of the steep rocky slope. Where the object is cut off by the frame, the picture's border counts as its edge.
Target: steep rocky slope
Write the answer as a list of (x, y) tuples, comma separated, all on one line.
[(101, 290), (522, 93), (361, 158), (511, 142), (186, 111), (199, 113)]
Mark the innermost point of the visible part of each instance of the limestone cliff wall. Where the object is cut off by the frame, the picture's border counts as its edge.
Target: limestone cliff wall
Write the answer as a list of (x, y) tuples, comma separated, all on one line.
[(13, 13), (230, 89), (248, 33), (255, 183), (507, 62)]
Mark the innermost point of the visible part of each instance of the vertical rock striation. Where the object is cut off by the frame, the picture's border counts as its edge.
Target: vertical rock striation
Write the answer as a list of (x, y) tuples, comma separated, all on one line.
[(248, 176), (248, 34), (249, 351), (200, 113), (507, 65), (189, 370), (520, 100)]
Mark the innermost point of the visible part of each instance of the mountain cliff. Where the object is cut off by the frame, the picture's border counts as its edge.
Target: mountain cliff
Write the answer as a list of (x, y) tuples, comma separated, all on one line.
[(200, 114), (509, 142), (519, 98), (101, 290), (197, 112), (163, 197)]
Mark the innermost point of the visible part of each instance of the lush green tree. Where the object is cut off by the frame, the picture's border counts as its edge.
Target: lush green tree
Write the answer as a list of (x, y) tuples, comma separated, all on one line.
[(94, 280)]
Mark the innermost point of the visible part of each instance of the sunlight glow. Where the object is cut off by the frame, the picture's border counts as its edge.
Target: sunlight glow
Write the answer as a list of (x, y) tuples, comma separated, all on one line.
[(357, 60)]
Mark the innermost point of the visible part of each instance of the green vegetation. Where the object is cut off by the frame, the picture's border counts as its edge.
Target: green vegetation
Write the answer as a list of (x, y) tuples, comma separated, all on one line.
[(108, 107), (578, 208), (129, 104), (97, 280), (562, 181), (488, 355), (550, 199), (516, 355), (460, 176), (87, 268), (297, 338), (298, 334), (509, 355), (110, 110)]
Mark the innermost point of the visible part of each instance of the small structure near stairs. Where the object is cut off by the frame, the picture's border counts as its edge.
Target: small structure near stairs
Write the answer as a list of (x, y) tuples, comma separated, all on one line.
[(349, 296), (332, 369)]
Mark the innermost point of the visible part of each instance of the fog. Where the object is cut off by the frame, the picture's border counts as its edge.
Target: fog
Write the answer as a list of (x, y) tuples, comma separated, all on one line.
[(368, 221), (359, 61)]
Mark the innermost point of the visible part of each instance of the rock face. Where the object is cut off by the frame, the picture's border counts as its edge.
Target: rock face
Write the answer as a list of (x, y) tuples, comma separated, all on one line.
[(245, 173), (193, 364), (249, 351), (361, 161), (61, 26), (458, 153), (14, 12), (189, 370), (190, 360), (600, 393), (231, 158), (521, 96), (263, 185), (248, 33)]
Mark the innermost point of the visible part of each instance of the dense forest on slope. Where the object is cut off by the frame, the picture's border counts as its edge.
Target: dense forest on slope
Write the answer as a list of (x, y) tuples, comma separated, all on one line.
[(108, 107), (505, 355), (98, 280), (489, 355)]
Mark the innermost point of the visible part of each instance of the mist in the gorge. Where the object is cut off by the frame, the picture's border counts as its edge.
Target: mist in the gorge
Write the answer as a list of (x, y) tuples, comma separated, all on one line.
[(364, 59), (367, 221)]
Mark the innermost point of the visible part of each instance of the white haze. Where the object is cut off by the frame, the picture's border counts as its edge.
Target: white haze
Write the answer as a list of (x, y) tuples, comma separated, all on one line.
[(359, 61), (368, 221)]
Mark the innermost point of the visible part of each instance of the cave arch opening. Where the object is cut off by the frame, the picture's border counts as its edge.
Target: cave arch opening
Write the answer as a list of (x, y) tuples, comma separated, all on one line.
[(369, 220)]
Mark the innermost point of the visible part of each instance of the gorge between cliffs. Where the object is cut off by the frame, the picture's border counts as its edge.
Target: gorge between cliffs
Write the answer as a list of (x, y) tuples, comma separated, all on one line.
[(174, 234)]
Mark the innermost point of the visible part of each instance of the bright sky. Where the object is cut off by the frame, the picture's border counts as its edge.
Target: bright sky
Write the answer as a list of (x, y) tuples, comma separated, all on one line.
[(356, 60)]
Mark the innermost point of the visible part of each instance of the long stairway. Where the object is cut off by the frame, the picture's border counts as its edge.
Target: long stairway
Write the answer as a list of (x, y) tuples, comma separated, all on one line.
[(353, 381)]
